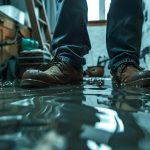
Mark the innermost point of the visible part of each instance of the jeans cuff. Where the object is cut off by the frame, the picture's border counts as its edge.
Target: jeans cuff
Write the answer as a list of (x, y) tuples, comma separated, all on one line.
[(69, 61), (126, 62)]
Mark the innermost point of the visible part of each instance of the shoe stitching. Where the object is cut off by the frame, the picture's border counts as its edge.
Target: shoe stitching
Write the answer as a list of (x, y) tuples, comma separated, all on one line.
[(55, 61)]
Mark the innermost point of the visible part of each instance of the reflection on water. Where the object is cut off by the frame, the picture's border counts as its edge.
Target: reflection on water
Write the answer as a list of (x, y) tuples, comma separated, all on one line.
[(89, 116)]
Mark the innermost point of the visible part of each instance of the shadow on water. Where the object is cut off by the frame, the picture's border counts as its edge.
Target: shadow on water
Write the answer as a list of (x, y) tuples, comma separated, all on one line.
[(88, 116)]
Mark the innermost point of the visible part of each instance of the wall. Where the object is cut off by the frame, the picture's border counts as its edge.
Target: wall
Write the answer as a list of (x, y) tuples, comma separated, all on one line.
[(145, 47), (98, 42)]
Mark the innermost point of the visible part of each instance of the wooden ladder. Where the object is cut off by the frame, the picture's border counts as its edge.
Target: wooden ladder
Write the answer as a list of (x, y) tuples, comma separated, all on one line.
[(40, 27)]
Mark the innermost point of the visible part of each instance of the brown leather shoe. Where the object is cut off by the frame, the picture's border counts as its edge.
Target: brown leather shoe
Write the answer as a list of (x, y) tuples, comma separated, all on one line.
[(57, 72), (131, 76)]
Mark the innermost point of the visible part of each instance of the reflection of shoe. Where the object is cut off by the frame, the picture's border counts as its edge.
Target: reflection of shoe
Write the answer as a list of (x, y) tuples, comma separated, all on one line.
[(132, 76), (58, 72)]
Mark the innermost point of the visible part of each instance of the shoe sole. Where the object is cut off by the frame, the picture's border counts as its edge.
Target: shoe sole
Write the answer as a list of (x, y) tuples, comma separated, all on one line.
[(33, 83), (145, 82)]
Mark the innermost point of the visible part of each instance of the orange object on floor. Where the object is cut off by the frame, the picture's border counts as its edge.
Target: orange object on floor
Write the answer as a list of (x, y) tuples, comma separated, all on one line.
[(95, 71)]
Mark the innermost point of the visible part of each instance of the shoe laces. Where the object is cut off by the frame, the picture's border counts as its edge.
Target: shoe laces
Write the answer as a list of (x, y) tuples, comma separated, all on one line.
[(54, 61), (120, 70)]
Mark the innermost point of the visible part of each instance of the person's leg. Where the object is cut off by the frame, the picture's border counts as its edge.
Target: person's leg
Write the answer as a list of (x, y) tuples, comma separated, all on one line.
[(124, 29), (70, 43), (71, 40), (124, 32)]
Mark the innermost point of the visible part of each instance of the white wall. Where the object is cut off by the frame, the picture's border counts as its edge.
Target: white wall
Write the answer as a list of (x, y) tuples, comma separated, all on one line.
[(145, 62), (98, 43)]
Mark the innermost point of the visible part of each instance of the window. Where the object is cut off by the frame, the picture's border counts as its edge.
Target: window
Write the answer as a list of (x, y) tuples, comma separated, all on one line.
[(98, 9), (93, 10), (107, 4)]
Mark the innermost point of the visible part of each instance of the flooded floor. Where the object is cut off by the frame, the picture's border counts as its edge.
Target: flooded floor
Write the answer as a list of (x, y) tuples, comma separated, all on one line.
[(88, 116)]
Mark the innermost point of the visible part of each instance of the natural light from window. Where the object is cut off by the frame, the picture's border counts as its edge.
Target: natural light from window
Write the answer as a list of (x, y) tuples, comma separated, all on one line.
[(107, 4), (94, 9)]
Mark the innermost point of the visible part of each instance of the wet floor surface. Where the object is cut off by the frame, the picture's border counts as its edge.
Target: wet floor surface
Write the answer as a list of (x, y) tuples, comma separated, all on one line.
[(88, 116)]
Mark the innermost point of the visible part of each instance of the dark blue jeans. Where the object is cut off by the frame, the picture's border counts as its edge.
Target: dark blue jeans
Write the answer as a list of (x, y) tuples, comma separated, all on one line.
[(71, 41), (124, 29), (124, 32)]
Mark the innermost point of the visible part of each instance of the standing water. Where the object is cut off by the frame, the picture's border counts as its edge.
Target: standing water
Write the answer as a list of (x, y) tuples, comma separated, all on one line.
[(88, 116)]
